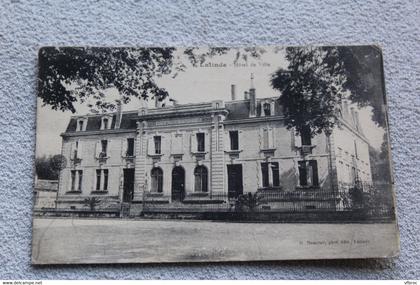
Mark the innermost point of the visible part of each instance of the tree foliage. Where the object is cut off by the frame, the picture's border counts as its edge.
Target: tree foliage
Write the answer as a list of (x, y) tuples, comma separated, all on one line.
[(316, 79), (92, 203), (49, 167), (82, 74), (319, 78), (68, 75), (249, 202)]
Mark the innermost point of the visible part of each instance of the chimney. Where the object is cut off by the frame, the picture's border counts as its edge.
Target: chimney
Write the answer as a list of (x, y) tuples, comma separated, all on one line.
[(118, 116), (246, 95), (233, 92), (252, 99)]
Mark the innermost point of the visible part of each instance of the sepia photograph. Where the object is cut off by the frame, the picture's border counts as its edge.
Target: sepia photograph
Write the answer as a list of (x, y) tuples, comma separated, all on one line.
[(212, 154)]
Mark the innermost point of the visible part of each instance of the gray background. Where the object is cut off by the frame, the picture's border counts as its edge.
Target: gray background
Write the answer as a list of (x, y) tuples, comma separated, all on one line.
[(26, 26)]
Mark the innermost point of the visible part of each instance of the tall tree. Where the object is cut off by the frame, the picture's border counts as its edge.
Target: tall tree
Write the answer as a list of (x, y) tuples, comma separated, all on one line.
[(49, 167), (77, 74), (318, 78), (68, 75)]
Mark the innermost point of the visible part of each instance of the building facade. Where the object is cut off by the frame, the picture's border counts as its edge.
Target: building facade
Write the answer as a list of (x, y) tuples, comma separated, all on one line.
[(195, 155)]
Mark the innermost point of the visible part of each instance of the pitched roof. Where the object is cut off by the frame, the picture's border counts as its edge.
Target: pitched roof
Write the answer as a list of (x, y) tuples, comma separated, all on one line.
[(238, 110)]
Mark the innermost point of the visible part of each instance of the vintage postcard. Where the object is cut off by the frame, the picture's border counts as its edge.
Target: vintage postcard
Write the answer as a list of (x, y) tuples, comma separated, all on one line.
[(163, 154)]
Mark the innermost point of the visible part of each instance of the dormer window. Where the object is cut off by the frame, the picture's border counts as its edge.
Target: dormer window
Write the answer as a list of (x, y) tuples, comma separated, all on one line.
[(267, 109), (81, 124), (106, 123)]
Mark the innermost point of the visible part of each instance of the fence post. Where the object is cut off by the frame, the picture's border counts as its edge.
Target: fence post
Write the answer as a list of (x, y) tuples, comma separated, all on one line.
[(143, 202)]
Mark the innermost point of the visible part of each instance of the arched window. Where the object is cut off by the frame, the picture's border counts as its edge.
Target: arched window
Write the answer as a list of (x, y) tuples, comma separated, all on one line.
[(157, 180), (201, 178)]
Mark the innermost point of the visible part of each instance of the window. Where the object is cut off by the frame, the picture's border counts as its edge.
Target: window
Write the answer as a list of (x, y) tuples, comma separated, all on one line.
[(200, 175), (306, 135), (200, 142), (275, 175), (105, 179), (158, 144), (130, 147), (99, 174), (157, 180), (73, 179), (104, 146), (308, 173), (80, 125), (79, 187), (106, 122), (267, 109), (234, 140), (98, 179)]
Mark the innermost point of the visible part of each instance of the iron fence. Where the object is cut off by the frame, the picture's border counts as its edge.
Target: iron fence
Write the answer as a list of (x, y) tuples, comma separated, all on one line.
[(301, 204)]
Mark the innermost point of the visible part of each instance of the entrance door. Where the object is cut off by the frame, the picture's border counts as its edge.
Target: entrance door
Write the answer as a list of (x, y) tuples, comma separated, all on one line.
[(128, 184), (235, 186), (178, 182)]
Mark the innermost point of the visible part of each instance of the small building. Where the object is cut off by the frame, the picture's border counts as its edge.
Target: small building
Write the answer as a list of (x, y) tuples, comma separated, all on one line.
[(45, 194), (206, 155)]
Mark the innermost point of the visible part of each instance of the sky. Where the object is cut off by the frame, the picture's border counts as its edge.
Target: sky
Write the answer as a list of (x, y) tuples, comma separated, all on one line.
[(210, 81)]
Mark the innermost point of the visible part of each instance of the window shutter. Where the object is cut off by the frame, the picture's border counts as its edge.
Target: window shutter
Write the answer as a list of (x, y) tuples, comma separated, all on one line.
[(98, 149), (124, 147), (180, 143), (193, 142), (79, 149), (72, 149), (266, 136), (240, 146), (150, 146), (109, 123), (176, 143), (207, 142), (108, 148), (162, 144), (226, 140), (270, 138)]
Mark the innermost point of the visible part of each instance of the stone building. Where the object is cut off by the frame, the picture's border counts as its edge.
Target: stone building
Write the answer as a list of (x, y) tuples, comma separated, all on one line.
[(196, 155)]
